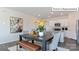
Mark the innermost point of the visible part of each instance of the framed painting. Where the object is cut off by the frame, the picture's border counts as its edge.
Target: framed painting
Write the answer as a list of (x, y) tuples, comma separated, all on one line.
[(16, 24)]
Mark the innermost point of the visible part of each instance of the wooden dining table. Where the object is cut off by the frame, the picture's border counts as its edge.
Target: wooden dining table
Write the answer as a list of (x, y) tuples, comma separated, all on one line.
[(46, 38)]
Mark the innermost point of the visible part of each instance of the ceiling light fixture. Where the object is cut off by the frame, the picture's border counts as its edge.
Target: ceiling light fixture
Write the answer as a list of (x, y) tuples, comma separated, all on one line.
[(38, 15)]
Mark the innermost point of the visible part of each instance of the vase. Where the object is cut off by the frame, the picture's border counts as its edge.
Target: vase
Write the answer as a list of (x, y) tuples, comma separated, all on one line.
[(41, 34)]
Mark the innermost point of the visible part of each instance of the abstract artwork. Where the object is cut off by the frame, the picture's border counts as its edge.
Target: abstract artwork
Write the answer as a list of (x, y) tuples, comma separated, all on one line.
[(16, 24)]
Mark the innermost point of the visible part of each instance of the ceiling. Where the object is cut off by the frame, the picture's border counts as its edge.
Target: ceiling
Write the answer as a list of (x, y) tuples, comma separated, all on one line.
[(40, 12)]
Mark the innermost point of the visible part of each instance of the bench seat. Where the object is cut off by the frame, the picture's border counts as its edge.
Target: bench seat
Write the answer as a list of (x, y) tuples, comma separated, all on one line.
[(30, 46)]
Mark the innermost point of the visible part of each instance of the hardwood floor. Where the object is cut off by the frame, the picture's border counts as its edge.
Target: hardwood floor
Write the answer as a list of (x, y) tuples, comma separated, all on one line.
[(69, 44), (4, 47)]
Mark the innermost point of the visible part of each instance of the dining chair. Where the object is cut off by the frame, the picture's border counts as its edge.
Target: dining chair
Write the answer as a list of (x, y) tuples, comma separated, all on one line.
[(54, 43), (62, 37)]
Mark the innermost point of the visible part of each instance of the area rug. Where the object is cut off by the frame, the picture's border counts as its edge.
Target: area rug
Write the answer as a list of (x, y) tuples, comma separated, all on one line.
[(62, 49), (14, 48)]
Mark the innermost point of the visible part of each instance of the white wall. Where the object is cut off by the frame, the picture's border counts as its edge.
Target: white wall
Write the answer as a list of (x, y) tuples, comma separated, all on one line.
[(71, 33), (69, 21), (52, 21), (5, 35), (73, 17)]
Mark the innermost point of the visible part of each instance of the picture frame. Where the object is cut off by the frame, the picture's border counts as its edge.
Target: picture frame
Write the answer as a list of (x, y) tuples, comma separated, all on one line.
[(16, 24)]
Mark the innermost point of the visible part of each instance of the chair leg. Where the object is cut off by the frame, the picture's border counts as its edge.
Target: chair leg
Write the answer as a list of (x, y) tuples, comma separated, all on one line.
[(17, 43), (17, 48), (47, 46), (55, 49)]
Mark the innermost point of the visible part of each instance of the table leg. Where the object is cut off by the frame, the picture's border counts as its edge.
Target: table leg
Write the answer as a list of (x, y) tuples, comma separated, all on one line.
[(20, 39), (44, 45), (32, 41)]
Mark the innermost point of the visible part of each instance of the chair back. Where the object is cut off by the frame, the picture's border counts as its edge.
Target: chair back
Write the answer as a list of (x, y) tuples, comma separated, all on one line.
[(62, 37)]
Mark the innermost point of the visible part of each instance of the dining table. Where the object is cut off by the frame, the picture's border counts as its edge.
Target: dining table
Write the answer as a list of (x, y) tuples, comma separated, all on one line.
[(44, 39)]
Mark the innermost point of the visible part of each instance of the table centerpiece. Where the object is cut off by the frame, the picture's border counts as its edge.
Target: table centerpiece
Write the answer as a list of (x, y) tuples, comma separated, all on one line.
[(40, 27)]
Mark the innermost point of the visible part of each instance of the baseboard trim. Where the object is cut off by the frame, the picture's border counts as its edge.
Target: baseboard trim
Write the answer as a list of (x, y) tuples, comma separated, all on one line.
[(8, 42), (69, 38)]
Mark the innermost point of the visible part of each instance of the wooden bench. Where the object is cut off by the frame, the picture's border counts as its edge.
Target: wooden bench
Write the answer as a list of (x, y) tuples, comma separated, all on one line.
[(30, 46)]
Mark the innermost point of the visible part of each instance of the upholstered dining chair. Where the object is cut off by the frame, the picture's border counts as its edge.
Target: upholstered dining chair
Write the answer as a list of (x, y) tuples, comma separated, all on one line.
[(54, 43), (62, 37)]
